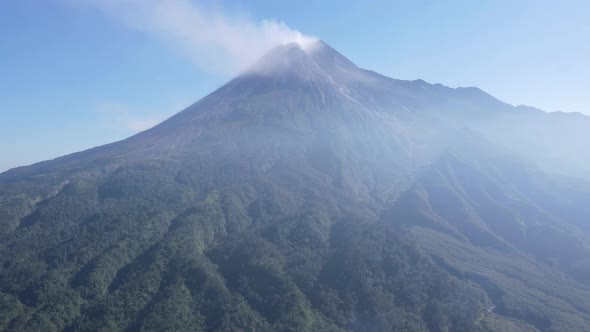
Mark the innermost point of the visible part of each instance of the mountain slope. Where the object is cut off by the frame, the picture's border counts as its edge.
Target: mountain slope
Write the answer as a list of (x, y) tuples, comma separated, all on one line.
[(507, 228), (306, 194)]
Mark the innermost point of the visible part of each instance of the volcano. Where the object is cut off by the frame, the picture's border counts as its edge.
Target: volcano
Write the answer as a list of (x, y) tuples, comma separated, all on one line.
[(308, 194)]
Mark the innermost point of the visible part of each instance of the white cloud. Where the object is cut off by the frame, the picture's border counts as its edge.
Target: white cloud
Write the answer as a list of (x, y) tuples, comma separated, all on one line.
[(215, 41)]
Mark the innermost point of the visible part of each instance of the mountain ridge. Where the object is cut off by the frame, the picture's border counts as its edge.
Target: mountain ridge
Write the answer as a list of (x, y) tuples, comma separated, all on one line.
[(318, 196), (325, 48)]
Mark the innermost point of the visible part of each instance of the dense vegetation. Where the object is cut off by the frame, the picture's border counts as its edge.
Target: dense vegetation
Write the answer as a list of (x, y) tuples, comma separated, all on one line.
[(305, 201), (169, 258)]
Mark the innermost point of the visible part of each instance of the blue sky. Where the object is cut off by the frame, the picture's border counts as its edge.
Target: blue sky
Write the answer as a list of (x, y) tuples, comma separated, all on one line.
[(77, 74)]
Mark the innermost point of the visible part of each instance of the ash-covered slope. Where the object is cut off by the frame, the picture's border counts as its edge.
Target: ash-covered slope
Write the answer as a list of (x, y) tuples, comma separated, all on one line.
[(306, 194)]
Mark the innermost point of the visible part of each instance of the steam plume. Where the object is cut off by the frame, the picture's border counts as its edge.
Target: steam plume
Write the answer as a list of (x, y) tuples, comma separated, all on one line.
[(213, 40)]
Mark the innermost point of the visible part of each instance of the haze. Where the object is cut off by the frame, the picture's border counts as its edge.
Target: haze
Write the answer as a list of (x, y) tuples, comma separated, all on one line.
[(269, 167), (82, 69)]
